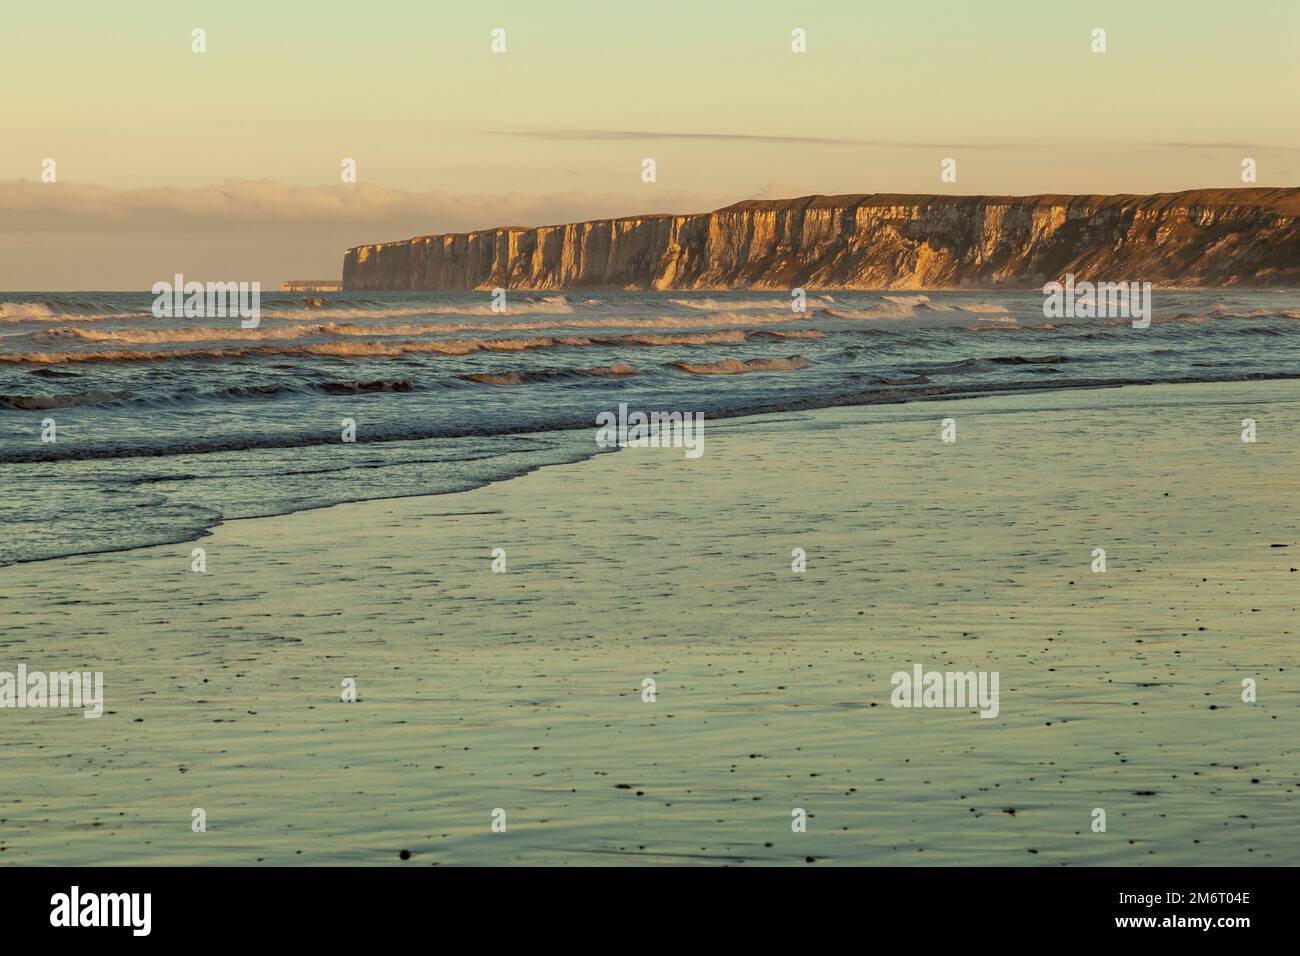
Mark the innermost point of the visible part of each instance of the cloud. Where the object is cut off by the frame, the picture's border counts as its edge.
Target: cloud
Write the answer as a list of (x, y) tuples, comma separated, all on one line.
[(77, 236), (27, 206), (614, 134), (1255, 146), (621, 135), (564, 135)]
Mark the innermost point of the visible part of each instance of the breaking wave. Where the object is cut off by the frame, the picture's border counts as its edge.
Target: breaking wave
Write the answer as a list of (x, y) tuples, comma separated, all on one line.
[(733, 366), (161, 336), (373, 349)]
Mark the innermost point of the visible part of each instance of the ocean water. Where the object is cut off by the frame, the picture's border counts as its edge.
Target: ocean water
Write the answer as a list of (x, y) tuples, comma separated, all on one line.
[(165, 427)]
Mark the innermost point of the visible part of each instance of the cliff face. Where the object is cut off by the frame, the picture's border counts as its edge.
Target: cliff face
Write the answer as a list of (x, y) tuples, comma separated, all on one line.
[(1206, 237)]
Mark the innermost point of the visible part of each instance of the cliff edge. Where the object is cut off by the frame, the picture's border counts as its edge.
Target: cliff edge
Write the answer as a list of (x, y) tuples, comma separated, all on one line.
[(1200, 237)]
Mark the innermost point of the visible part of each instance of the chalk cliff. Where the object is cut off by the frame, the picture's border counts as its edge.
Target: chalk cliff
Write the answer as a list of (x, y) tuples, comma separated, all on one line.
[(1203, 237)]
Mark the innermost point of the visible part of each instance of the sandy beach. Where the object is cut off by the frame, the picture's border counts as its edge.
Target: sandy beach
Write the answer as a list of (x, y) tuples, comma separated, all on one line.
[(522, 690)]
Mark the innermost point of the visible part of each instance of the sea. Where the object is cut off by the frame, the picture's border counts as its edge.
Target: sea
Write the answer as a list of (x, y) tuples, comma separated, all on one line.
[(120, 429)]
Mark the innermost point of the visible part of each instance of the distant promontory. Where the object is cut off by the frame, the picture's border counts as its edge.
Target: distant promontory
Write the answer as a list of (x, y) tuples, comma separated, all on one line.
[(1197, 238)]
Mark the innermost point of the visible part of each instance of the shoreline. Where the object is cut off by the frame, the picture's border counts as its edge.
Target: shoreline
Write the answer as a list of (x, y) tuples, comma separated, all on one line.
[(522, 690), (976, 392)]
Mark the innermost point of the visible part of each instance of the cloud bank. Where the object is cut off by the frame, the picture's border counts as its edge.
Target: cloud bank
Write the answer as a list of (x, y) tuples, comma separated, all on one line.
[(59, 236)]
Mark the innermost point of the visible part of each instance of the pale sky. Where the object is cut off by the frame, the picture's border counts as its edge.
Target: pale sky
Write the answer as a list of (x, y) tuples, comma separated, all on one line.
[(225, 164)]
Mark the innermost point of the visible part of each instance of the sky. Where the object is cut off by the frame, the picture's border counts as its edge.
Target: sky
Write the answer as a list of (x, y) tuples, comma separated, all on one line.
[(226, 164)]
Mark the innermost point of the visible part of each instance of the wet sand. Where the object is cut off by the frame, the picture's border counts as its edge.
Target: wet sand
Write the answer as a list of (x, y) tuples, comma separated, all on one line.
[(523, 691)]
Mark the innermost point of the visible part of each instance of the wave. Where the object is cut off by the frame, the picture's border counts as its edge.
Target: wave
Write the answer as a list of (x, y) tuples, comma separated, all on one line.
[(162, 400), (887, 394), (374, 349), (357, 386), (898, 307), (15, 312), (32, 403), (983, 308), (1026, 360), (311, 309), (18, 311), (733, 366), (918, 380), (985, 363), (777, 334), (1222, 312), (550, 375), (208, 334), (142, 336), (515, 304), (748, 305), (269, 390), (689, 338), (906, 301)]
